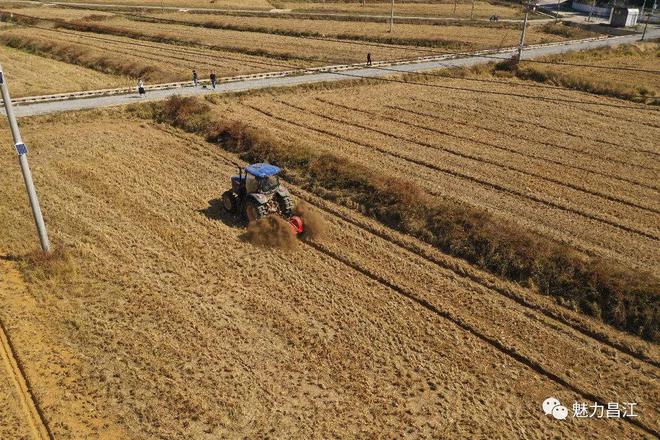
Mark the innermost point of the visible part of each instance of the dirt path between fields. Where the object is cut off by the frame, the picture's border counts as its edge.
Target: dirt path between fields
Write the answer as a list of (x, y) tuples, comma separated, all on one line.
[(29, 409)]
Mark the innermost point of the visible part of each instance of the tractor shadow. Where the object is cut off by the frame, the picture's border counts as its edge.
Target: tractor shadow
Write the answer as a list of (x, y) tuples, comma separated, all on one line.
[(215, 211)]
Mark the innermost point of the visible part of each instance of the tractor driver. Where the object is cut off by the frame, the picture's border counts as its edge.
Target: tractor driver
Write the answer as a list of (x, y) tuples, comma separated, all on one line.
[(264, 184)]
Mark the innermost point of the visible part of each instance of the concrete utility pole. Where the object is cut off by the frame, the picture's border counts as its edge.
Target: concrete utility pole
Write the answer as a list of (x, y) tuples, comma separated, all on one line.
[(557, 14), (472, 11), (591, 11), (641, 13), (648, 18), (21, 149), (528, 6), (392, 16), (645, 26)]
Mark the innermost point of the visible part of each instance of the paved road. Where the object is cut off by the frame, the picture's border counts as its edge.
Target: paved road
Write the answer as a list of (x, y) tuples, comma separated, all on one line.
[(156, 95)]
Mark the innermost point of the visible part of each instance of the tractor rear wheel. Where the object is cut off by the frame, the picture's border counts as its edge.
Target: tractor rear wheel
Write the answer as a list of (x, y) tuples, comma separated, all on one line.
[(285, 204), (254, 211), (229, 201)]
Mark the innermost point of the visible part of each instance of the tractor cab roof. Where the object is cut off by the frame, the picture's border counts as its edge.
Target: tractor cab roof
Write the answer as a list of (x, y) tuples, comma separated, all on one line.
[(262, 170)]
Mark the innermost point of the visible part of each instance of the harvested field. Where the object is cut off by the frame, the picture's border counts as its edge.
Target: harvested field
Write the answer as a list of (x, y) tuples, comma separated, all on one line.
[(164, 330), (277, 47), (431, 9), (155, 62), (583, 175), (290, 38), (30, 75), (220, 4), (635, 86), (52, 12), (451, 36)]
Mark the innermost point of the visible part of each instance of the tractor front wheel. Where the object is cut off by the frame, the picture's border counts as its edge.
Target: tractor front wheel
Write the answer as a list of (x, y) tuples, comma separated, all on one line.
[(254, 212), (229, 202)]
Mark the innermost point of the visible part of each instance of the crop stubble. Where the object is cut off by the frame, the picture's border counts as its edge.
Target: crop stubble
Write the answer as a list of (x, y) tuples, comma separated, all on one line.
[(465, 35), (160, 62), (30, 75), (310, 346), (542, 181)]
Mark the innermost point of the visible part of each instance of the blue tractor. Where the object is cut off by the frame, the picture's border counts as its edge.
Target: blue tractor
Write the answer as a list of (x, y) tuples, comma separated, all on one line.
[(256, 193)]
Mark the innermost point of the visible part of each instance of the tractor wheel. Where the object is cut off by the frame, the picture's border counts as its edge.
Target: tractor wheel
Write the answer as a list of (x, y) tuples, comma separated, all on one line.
[(285, 204), (229, 201), (254, 212)]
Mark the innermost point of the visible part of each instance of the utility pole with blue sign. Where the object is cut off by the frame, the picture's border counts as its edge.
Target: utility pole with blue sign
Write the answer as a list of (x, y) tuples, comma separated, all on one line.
[(21, 150)]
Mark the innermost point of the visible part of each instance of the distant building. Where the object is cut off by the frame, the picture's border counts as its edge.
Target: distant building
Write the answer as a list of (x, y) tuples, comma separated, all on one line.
[(601, 11), (624, 17)]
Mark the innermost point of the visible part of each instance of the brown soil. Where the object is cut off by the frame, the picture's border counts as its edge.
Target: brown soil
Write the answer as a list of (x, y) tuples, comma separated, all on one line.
[(271, 231)]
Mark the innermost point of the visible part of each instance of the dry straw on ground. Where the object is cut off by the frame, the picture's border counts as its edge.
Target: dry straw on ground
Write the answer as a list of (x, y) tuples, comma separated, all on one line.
[(171, 319), (613, 292)]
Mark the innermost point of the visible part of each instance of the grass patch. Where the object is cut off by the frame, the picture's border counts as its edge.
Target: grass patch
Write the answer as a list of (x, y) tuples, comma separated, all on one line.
[(636, 87), (565, 30), (44, 267), (624, 298), (586, 83)]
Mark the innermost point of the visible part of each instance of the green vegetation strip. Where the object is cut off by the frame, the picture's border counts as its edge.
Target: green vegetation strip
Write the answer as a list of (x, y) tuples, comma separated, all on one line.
[(624, 298)]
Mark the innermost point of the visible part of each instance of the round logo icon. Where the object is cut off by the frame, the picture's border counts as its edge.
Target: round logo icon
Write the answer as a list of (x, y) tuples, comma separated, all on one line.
[(549, 404), (560, 412)]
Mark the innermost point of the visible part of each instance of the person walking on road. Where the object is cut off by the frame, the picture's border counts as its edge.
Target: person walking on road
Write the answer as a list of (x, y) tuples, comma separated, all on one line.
[(214, 79), (140, 87), (195, 78), (369, 59)]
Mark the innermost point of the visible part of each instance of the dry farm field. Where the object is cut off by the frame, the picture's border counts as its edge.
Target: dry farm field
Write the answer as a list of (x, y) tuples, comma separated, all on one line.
[(53, 12), (30, 75), (429, 9), (157, 319), (581, 174), (477, 239), (155, 62), (214, 4), (422, 9), (122, 49), (450, 36), (642, 58), (289, 37), (276, 47)]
